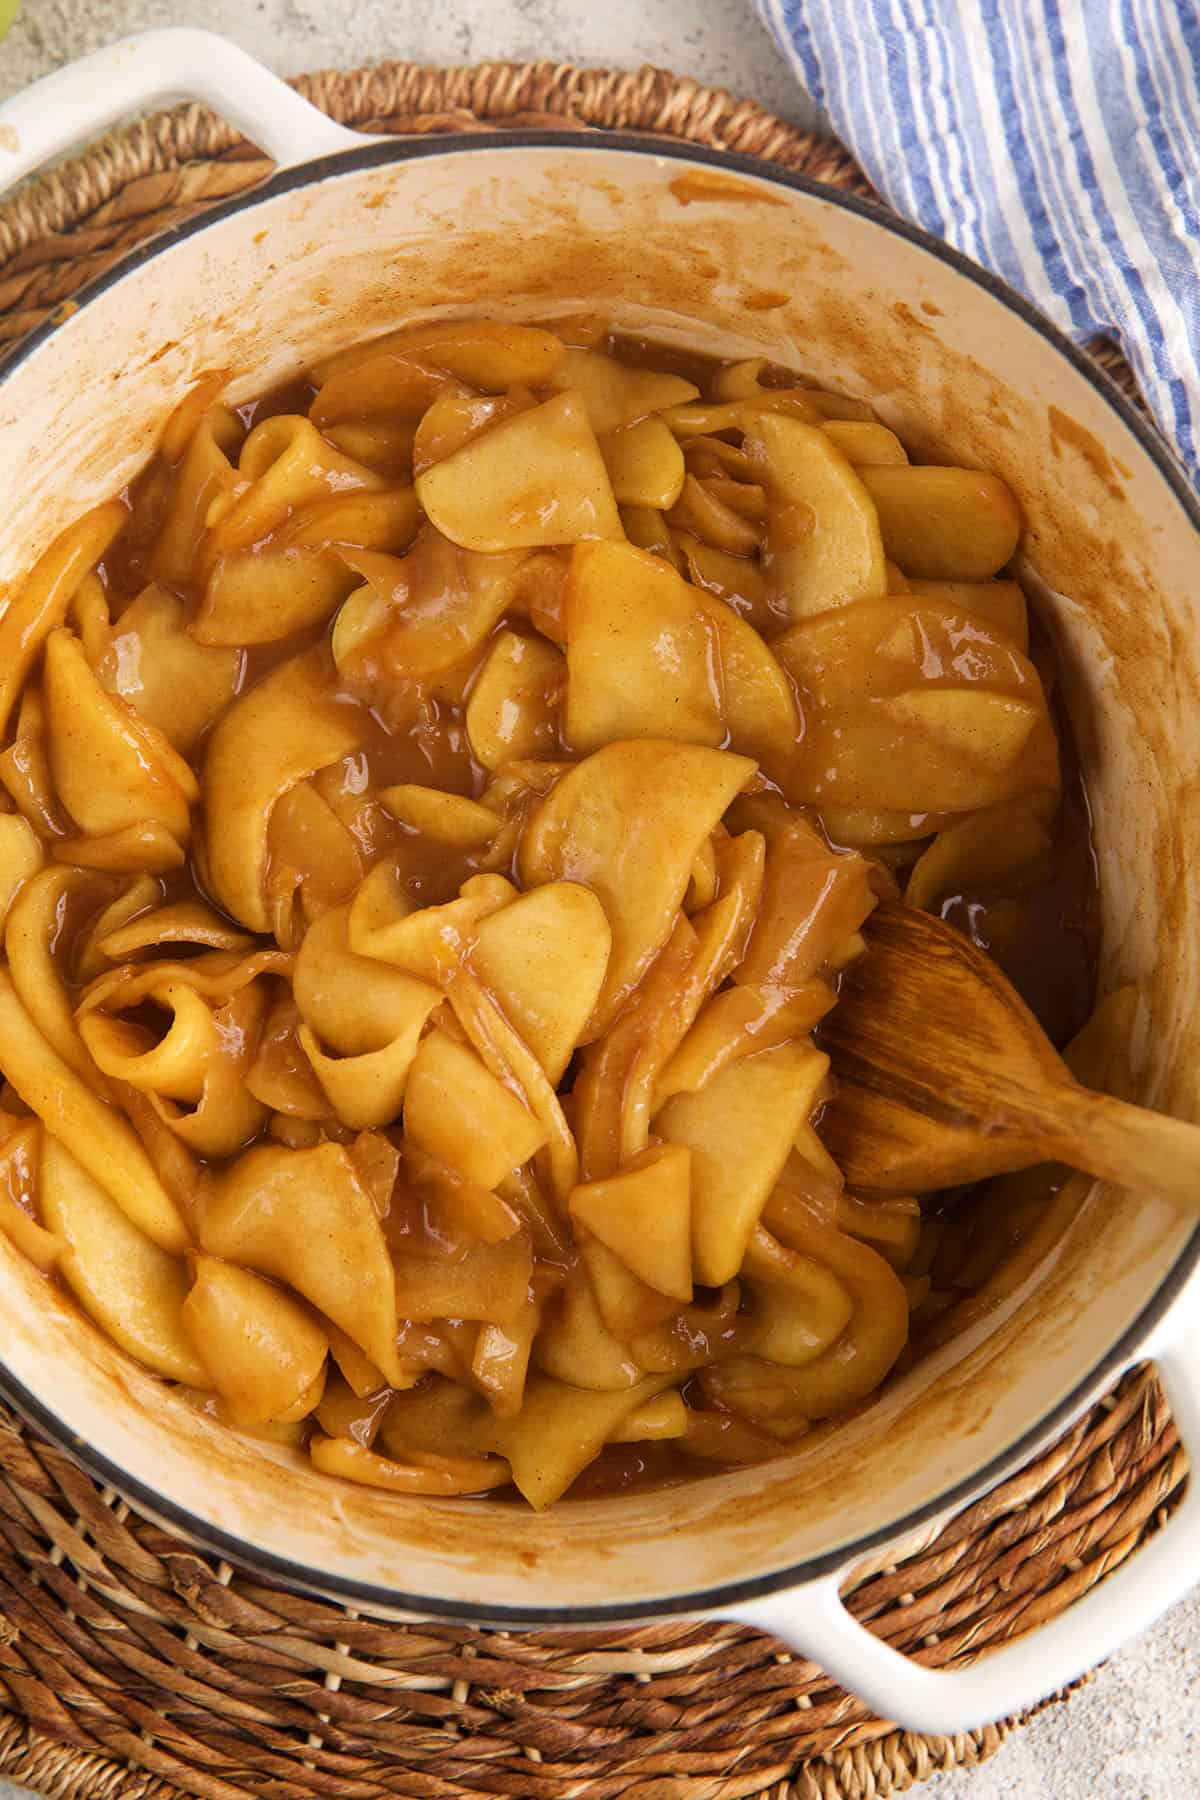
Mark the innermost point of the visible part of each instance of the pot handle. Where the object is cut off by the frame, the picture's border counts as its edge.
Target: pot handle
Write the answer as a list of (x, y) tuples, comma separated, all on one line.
[(179, 63), (814, 1621)]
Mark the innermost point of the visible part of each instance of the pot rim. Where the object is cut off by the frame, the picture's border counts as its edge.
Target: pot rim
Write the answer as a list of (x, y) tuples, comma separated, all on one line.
[(1046, 1426)]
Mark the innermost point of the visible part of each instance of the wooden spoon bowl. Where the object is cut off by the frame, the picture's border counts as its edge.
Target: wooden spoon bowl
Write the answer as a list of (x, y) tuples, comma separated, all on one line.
[(944, 1076)]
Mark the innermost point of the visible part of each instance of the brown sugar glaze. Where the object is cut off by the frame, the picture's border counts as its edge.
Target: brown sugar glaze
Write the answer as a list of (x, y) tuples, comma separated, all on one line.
[(1044, 936)]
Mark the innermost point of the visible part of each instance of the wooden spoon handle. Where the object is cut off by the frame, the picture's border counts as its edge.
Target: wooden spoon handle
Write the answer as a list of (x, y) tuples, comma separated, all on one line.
[(1147, 1151)]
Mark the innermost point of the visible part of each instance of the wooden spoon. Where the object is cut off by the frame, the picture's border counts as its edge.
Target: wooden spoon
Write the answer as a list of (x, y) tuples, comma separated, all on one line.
[(945, 1076)]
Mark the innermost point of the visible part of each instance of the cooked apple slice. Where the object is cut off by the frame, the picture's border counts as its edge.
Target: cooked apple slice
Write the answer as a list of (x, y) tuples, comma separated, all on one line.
[(702, 511), (813, 899), (757, 701), (913, 706), (152, 661), (981, 848), (640, 652), (279, 733), (740, 1129), (354, 1003), (20, 1158), (988, 728), (559, 1430), (105, 1142), (738, 580), (262, 1350), (543, 959), (424, 612), (449, 819), (352, 1461), (575, 1345), (457, 1111), (111, 768), (342, 1413), (645, 465), (738, 1022), (37, 606), (488, 1282), (284, 464), (666, 1416), (20, 857), (133, 1288), (824, 546), (628, 1305), (863, 441), (800, 1306), (305, 1218), (267, 594), (487, 353), (536, 478), (438, 1418), (428, 941), (1001, 603), (628, 822), (615, 395), (947, 524), (381, 385), (365, 1091), (644, 1216), (513, 707)]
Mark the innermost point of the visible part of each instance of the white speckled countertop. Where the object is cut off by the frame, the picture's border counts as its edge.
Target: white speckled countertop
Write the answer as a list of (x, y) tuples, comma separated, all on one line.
[(1133, 1733)]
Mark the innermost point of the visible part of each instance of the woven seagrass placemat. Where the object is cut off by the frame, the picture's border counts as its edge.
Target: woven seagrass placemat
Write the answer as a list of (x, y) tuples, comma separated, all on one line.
[(133, 1667)]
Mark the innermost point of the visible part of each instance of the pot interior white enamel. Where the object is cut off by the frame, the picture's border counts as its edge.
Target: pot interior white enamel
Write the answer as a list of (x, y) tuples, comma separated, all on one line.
[(738, 264)]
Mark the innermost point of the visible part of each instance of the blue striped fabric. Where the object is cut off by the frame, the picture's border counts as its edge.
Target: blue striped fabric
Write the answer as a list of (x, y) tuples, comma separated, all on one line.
[(1056, 142)]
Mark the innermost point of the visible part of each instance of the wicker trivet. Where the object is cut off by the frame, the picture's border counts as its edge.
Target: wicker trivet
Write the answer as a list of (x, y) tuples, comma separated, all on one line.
[(132, 1666)]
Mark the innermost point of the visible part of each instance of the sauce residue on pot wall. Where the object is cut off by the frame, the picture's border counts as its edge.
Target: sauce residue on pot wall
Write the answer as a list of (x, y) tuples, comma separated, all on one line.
[(704, 184), (1066, 430)]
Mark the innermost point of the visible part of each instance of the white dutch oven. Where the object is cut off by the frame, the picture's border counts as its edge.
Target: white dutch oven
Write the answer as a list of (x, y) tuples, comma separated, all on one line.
[(352, 236)]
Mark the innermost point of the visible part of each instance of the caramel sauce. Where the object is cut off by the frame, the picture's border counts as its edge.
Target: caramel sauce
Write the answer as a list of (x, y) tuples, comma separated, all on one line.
[(1044, 936)]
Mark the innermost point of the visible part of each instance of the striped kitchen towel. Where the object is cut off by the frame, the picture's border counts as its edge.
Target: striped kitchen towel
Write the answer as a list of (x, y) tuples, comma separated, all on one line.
[(1057, 142)]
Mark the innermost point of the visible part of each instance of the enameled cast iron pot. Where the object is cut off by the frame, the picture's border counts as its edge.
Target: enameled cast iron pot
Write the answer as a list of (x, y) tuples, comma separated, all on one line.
[(352, 236)]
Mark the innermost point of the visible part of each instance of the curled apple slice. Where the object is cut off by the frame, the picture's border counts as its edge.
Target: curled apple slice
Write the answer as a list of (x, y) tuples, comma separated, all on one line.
[(513, 707), (536, 478), (20, 858), (628, 822), (279, 733), (263, 1351), (757, 700), (738, 1022), (824, 546), (427, 941), (131, 1286), (354, 1003), (574, 1344), (306, 1218), (104, 1141), (112, 769), (152, 661)]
